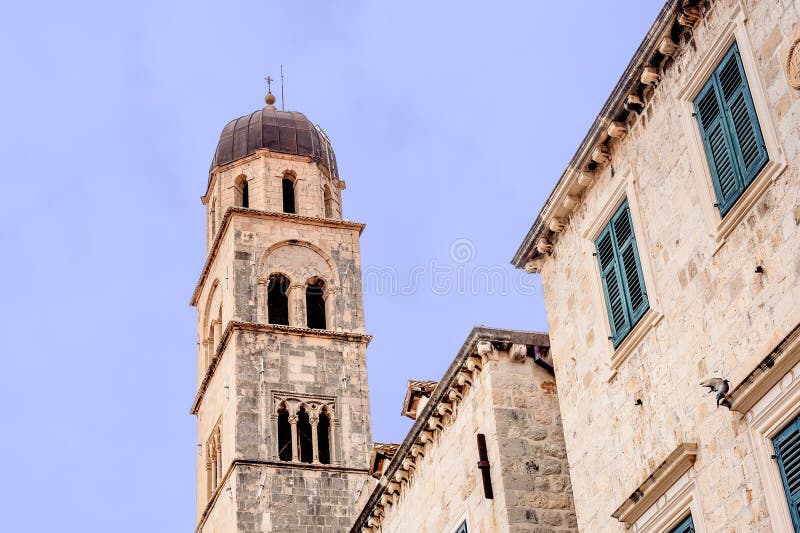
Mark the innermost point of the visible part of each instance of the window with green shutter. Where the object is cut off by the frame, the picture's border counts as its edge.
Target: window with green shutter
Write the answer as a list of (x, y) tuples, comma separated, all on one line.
[(621, 271), (687, 526), (729, 127), (787, 453), (462, 528)]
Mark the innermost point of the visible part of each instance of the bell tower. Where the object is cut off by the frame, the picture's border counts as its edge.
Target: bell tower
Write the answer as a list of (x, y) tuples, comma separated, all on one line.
[(282, 404)]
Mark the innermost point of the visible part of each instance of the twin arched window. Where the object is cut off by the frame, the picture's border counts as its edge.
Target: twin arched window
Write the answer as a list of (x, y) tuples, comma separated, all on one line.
[(304, 436), (278, 302)]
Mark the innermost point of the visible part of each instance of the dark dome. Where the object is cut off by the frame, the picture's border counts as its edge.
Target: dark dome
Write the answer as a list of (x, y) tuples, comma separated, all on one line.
[(286, 132)]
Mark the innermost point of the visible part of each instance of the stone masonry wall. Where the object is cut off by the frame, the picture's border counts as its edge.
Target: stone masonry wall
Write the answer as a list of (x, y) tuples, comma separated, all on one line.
[(514, 405), (718, 313)]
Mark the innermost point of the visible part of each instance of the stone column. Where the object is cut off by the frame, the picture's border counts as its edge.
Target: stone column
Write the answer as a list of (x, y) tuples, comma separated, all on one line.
[(331, 440), (297, 305), (314, 442), (295, 443), (261, 301)]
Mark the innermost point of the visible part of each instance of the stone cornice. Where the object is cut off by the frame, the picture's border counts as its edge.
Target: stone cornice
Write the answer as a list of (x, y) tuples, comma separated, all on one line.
[(257, 462), (629, 97), (657, 483), (265, 328), (263, 215), (479, 347)]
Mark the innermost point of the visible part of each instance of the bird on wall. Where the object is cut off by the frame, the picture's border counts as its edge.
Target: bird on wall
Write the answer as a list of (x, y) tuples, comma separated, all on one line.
[(719, 385)]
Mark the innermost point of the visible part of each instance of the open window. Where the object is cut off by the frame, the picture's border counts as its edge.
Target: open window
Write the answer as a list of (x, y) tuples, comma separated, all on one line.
[(315, 304), (324, 437), (278, 300), (288, 194), (284, 434), (241, 192), (306, 443)]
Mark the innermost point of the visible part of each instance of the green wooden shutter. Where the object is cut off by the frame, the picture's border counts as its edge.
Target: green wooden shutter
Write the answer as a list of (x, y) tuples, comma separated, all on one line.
[(630, 264), (687, 526), (612, 286), (787, 450), (751, 152), (621, 271), (718, 146), (729, 127)]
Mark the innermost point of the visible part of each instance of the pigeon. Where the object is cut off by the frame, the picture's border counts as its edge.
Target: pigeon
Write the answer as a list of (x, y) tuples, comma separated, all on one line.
[(718, 385)]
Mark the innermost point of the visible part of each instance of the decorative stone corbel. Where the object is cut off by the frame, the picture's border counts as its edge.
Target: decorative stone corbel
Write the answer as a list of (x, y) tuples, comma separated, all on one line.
[(409, 464), (464, 379), (543, 246), (601, 155), (373, 522), (534, 266), (634, 103), (443, 409), (434, 423), (518, 352), (454, 396), (400, 476), (484, 349), (617, 129), (667, 46), (572, 202), (425, 437), (386, 499), (689, 16), (393, 487), (557, 225), (585, 178), (417, 451), (473, 363), (650, 76)]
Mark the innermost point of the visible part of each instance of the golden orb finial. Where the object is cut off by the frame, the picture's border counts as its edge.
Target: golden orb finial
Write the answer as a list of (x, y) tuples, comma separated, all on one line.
[(270, 98)]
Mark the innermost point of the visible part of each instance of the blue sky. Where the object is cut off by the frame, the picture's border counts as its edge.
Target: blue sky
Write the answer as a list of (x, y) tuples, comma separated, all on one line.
[(451, 123)]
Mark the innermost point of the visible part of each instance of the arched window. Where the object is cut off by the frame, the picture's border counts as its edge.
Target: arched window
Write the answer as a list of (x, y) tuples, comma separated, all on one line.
[(212, 344), (288, 195), (284, 434), (242, 192), (315, 305), (326, 192), (324, 437), (278, 300), (304, 435)]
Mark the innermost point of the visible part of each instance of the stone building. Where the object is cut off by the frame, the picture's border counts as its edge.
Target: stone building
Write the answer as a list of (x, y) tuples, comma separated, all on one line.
[(486, 451), (282, 405), (669, 252)]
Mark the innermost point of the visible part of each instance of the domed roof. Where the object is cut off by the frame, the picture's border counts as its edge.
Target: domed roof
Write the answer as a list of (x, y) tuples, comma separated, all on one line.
[(286, 132)]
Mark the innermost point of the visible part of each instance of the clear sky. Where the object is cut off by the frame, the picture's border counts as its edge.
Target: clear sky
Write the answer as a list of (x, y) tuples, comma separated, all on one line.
[(451, 121)]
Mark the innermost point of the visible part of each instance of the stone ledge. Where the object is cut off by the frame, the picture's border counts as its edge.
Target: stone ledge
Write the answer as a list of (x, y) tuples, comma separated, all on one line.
[(263, 215), (769, 371), (657, 483), (266, 328)]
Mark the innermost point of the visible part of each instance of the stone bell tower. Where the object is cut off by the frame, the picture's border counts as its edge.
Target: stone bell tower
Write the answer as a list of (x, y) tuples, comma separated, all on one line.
[(282, 404)]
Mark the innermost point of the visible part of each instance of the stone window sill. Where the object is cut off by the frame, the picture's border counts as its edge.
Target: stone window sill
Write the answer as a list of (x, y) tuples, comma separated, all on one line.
[(768, 175), (650, 319)]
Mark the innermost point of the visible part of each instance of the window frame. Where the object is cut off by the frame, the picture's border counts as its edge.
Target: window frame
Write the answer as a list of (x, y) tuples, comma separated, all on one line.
[(627, 187), (708, 57), (794, 512)]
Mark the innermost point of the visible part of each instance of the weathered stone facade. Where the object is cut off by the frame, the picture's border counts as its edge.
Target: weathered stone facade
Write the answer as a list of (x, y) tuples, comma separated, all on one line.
[(496, 389), (644, 441), (254, 375)]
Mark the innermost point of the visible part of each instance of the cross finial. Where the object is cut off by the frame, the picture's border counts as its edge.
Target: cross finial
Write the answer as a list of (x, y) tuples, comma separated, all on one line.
[(270, 98)]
